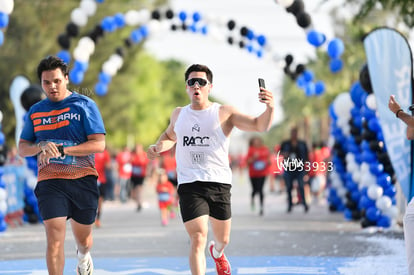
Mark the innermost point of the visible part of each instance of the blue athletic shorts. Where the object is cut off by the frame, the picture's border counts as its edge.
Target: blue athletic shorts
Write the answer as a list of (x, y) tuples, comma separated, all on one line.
[(71, 198), (204, 198)]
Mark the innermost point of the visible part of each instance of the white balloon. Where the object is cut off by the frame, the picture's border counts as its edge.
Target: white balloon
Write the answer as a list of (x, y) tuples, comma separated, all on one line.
[(132, 18), (367, 179), (109, 68), (3, 194), (87, 44), (81, 54), (116, 60), (375, 192), (391, 212), (88, 6), (383, 203), (79, 17), (371, 102), (356, 176), (285, 3), (144, 15), (6, 6), (1, 116), (3, 207), (154, 26), (342, 105)]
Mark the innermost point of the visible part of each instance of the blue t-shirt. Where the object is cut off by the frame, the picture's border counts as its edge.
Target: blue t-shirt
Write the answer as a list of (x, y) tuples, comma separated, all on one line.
[(67, 122)]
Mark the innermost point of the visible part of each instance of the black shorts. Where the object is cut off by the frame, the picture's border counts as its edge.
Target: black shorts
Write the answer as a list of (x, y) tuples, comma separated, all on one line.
[(71, 198), (204, 198), (137, 181)]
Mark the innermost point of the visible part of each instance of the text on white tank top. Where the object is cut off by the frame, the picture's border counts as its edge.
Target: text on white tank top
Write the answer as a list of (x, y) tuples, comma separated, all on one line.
[(202, 152)]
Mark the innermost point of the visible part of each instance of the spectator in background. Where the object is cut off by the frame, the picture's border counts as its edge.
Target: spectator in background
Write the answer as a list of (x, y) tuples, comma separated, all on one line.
[(139, 162), (169, 164), (295, 153), (123, 160), (258, 160), (166, 196), (102, 162)]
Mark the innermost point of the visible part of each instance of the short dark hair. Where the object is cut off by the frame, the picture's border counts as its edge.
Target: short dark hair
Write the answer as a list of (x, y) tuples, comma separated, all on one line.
[(199, 68), (51, 63)]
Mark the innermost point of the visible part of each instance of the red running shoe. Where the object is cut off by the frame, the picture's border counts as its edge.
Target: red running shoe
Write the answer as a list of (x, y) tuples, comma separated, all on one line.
[(222, 264)]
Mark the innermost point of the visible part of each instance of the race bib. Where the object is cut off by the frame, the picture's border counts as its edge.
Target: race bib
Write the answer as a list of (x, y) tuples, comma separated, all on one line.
[(163, 197), (259, 165), (70, 160)]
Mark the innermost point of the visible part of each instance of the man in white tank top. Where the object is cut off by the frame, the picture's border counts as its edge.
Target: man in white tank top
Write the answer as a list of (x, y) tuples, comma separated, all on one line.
[(201, 133)]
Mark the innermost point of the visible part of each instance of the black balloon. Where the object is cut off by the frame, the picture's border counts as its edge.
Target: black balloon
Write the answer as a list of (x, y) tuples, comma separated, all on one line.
[(120, 51), (64, 41), (303, 19), (156, 15), (288, 59), (72, 29), (365, 79), (173, 27), (184, 27), (231, 24), (128, 43), (31, 95), (97, 33), (296, 7), (230, 40), (300, 68), (241, 44), (169, 14), (244, 31)]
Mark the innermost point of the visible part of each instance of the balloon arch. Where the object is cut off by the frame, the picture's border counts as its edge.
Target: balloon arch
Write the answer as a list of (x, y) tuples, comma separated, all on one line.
[(353, 114)]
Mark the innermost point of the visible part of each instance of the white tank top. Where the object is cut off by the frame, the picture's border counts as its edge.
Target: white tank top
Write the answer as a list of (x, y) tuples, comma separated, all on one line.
[(202, 151)]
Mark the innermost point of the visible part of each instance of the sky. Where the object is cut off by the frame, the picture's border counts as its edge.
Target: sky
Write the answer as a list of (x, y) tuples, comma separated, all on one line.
[(235, 70)]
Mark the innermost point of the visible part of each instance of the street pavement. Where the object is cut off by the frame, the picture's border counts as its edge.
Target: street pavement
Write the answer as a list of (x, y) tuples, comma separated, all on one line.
[(131, 242)]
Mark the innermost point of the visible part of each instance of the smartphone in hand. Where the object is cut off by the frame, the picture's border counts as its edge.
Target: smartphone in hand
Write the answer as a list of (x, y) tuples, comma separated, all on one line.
[(261, 84)]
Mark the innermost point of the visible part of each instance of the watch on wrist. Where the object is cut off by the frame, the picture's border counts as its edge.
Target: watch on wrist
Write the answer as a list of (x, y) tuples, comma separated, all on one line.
[(60, 148)]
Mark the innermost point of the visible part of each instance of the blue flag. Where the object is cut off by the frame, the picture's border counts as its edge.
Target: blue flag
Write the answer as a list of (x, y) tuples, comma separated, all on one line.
[(390, 69)]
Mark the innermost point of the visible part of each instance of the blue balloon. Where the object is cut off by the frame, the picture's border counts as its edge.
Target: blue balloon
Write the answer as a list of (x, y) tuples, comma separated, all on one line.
[(4, 20), (316, 38), (136, 36), (390, 191), (332, 112), (356, 195), (76, 76), (108, 24), (335, 65), (384, 221), (182, 15), (101, 89), (1, 38), (348, 214), (374, 124), (2, 184), (376, 168), (373, 213), (193, 28), (259, 53), (335, 48), (144, 30), (2, 138), (1, 171), (301, 82), (365, 202), (250, 34), (310, 89), (261, 39), (308, 75), (81, 66), (3, 225), (196, 16), (384, 180), (204, 30), (64, 55), (104, 78), (319, 87), (119, 19)]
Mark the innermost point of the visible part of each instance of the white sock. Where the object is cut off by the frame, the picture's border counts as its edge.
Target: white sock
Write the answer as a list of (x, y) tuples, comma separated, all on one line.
[(82, 256), (217, 254)]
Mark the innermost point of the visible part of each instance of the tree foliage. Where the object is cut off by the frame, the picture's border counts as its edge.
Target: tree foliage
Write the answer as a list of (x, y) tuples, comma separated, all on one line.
[(140, 97)]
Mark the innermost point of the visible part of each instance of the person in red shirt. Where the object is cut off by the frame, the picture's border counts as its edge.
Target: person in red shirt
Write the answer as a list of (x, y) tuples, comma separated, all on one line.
[(166, 195), (102, 162), (258, 161), (168, 162), (123, 160), (139, 162)]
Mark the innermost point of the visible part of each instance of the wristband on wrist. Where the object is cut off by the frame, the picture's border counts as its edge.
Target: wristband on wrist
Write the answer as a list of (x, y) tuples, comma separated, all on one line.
[(60, 148), (400, 110)]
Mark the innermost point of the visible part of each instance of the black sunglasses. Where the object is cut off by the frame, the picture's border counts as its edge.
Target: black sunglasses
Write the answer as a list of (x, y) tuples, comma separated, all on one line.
[(200, 81)]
